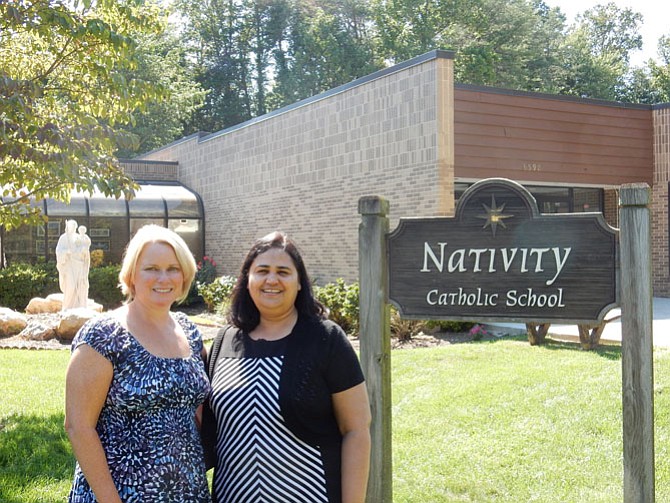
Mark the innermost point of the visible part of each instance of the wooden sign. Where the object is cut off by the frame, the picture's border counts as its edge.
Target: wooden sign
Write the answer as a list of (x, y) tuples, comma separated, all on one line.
[(500, 259)]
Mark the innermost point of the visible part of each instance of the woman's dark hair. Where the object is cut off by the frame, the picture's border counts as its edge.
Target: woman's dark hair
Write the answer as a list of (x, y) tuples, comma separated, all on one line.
[(243, 312)]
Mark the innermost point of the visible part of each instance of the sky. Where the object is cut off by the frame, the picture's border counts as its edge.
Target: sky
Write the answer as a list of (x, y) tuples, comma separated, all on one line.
[(655, 22)]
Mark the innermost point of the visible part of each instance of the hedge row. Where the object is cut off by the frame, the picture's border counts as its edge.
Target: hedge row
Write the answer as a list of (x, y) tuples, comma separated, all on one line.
[(21, 282)]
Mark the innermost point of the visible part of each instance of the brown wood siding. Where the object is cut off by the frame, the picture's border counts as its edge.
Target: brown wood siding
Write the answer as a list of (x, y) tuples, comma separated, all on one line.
[(535, 138)]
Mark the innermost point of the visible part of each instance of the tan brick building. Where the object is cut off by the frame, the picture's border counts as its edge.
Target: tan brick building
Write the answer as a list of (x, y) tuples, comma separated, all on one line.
[(410, 135)]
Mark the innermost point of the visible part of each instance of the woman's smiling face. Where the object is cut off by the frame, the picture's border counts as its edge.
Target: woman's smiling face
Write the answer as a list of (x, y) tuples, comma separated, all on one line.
[(158, 277), (273, 283)]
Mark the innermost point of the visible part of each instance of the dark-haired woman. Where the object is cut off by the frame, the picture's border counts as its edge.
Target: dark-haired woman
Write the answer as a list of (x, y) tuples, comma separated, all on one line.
[(288, 396)]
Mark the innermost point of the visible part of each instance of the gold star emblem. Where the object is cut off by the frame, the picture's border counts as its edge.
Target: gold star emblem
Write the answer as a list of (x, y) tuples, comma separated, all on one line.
[(494, 216)]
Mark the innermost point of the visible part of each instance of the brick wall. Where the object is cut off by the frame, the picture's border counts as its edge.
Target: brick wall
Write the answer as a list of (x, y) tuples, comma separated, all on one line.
[(659, 219), (304, 168)]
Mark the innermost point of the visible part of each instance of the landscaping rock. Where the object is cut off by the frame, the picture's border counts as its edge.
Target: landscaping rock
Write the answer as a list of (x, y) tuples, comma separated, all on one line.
[(71, 320), (94, 306), (11, 322), (38, 331), (52, 304)]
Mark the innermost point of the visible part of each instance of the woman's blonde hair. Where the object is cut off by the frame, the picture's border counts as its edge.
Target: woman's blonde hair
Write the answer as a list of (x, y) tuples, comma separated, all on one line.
[(155, 234)]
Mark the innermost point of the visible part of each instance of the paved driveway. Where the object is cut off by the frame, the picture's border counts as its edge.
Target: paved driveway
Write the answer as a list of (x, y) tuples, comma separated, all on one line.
[(612, 332)]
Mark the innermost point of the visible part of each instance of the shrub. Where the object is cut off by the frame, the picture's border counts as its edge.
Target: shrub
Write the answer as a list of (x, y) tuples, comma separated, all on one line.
[(404, 329), (449, 325), (97, 258), (205, 275), (217, 293), (342, 301), (206, 270), (21, 282), (104, 286)]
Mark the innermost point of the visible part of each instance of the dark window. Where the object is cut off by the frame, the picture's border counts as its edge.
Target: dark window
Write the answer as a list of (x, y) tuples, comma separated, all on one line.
[(552, 199)]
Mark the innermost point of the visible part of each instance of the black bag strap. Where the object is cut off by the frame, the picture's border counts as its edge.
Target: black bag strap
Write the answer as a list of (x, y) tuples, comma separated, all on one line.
[(214, 351), (208, 429)]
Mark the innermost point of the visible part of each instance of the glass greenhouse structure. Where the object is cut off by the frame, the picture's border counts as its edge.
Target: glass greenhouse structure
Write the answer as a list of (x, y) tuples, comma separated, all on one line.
[(110, 222)]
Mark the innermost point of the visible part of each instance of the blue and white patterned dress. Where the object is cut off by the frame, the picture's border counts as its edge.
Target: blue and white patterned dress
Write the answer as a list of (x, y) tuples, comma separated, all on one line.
[(147, 425)]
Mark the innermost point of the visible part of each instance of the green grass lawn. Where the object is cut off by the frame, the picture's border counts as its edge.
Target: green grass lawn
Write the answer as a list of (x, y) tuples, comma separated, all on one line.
[(36, 463), (494, 421)]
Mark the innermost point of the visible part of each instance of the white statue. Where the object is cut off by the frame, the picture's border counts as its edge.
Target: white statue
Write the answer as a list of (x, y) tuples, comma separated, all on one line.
[(73, 260)]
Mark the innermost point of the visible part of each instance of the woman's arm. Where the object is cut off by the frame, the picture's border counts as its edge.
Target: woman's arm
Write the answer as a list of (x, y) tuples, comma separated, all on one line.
[(198, 410), (87, 383), (352, 411)]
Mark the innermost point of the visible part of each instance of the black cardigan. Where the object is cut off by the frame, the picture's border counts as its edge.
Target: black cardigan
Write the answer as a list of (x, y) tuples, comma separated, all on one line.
[(304, 399)]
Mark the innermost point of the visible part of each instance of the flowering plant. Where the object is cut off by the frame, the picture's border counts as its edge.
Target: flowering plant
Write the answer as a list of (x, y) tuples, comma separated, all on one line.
[(477, 332), (205, 275), (206, 271)]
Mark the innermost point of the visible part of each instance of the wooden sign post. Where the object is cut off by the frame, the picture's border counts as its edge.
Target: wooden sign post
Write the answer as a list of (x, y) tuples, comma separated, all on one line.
[(376, 343), (637, 345)]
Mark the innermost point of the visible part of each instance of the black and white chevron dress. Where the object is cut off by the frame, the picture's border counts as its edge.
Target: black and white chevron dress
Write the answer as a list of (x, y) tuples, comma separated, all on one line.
[(260, 460)]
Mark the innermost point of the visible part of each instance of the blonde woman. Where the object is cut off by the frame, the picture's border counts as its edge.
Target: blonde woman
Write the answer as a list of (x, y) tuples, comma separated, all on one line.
[(135, 384)]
